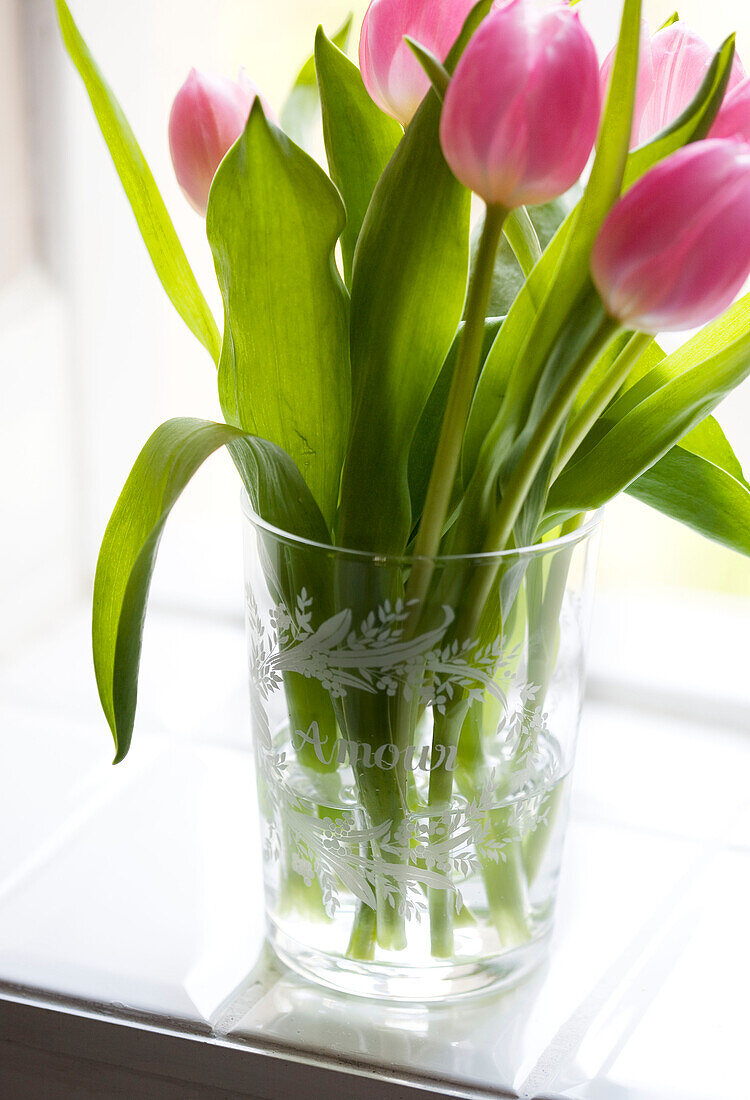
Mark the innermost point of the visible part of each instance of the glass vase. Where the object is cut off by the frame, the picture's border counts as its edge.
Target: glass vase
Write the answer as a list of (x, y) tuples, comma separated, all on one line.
[(413, 759)]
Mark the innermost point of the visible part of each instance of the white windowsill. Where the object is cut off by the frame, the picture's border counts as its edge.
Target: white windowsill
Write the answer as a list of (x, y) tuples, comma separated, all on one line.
[(139, 885)]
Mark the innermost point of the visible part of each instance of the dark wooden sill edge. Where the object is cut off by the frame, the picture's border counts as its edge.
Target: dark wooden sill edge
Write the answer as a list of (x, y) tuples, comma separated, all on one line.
[(79, 1052)]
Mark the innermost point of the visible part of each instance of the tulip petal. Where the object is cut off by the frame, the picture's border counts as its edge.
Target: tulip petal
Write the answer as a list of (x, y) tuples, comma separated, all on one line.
[(521, 113), (393, 77), (675, 249)]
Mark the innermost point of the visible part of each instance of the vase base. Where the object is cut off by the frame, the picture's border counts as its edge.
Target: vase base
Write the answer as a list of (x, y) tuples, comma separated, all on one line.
[(440, 981)]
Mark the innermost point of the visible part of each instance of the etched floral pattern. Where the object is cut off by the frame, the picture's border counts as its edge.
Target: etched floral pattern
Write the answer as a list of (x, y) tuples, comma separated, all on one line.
[(400, 859)]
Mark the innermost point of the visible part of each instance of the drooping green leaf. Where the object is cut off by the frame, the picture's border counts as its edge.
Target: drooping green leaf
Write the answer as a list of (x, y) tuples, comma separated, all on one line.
[(408, 288), (273, 221), (300, 115), (126, 560), (359, 138), (707, 440), (645, 433), (548, 283), (159, 236), (700, 494)]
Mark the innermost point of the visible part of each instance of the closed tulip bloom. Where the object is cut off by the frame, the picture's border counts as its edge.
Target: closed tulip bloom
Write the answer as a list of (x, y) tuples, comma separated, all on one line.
[(391, 73), (646, 80), (674, 251), (521, 112), (733, 120), (208, 115), (672, 66)]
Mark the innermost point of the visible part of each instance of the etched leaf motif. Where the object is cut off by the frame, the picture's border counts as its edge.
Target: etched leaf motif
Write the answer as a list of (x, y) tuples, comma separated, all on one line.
[(398, 861)]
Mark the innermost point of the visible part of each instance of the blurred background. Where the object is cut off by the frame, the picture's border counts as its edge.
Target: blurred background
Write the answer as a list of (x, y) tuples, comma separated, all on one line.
[(93, 357)]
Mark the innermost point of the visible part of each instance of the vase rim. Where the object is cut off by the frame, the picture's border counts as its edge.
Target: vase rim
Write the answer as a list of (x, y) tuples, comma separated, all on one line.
[(571, 539)]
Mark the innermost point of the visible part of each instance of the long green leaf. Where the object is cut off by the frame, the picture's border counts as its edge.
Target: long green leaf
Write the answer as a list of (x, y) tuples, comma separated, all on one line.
[(646, 432), (359, 138), (273, 221), (707, 440), (156, 227), (126, 560), (700, 494), (730, 327), (408, 289)]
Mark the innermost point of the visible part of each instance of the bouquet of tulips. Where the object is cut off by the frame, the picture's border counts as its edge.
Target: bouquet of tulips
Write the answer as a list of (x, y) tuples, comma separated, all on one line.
[(401, 377)]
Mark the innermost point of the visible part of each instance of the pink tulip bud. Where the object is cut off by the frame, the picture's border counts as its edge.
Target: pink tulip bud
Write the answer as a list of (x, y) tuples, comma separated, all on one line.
[(733, 120), (390, 71), (208, 115), (646, 79), (672, 66), (522, 110), (675, 249)]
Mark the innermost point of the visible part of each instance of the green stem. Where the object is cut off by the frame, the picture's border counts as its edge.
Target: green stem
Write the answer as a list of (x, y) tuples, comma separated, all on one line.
[(521, 236), (364, 929), (506, 885), (448, 453), (544, 613), (535, 843), (581, 425), (551, 421), (441, 901)]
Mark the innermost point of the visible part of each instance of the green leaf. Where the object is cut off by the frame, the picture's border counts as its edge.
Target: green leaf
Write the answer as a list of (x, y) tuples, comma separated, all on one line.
[(301, 111), (408, 289), (700, 494), (723, 332), (434, 69), (273, 221), (156, 227), (508, 279), (644, 433), (359, 138), (673, 18), (426, 437), (126, 560), (707, 440), (695, 121)]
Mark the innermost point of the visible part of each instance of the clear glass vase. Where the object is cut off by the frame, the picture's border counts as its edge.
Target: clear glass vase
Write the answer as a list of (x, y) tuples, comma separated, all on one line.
[(413, 777)]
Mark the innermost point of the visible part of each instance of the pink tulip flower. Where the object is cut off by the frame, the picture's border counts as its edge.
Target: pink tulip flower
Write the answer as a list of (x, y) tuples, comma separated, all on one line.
[(672, 66), (521, 113), (208, 115), (733, 119), (675, 249), (391, 73)]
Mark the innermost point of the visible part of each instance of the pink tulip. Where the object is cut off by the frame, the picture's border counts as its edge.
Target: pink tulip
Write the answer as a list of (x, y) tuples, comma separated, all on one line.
[(675, 249), (646, 80), (521, 112), (672, 66), (391, 73), (208, 115), (733, 120)]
